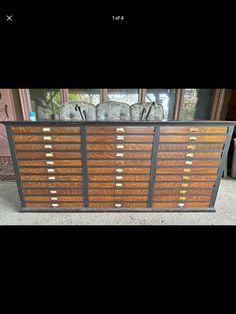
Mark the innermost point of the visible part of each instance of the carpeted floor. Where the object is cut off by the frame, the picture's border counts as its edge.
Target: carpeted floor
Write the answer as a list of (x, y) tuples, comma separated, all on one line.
[(225, 212)]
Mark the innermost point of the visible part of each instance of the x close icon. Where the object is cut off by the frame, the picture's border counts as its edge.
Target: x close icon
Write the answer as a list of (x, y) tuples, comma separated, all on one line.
[(9, 18)]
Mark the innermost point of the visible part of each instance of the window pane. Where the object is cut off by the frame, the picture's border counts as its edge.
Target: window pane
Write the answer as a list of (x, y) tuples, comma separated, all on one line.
[(129, 96), (89, 95), (197, 104), (164, 97), (46, 103)]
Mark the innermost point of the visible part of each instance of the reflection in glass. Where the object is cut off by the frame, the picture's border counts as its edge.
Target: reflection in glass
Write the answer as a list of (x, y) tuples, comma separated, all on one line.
[(129, 96), (88, 95)]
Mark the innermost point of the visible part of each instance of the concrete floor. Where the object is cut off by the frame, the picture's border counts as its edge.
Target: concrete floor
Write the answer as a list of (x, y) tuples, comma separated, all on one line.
[(225, 212)]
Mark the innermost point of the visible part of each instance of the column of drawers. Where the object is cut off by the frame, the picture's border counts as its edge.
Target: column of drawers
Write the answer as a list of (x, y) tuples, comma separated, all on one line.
[(50, 166), (188, 161), (119, 161)]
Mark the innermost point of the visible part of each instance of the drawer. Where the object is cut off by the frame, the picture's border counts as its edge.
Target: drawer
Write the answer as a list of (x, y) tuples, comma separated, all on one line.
[(118, 178), (185, 178), (118, 192), (48, 147), (119, 162), (119, 147), (119, 170), (190, 147), (48, 155), (52, 185), (194, 138), (181, 198), (53, 198), (50, 178), (193, 129), (118, 185), (188, 155), (50, 171), (119, 138), (119, 155), (181, 205), (187, 170), (183, 185), (187, 163), (55, 205), (47, 138), (182, 191), (121, 130), (118, 205), (45, 129), (49, 163), (53, 192), (119, 198)]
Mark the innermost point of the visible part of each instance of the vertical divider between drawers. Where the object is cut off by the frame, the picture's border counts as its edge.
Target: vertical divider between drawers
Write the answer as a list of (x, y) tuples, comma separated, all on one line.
[(83, 135), (156, 138)]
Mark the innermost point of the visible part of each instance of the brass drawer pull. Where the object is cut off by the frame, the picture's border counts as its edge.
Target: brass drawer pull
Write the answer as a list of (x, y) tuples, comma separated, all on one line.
[(51, 170), (188, 162), (119, 184), (119, 177), (194, 129), (121, 130), (191, 147), (120, 155), (120, 146), (55, 205), (184, 184), (46, 130), (50, 162), (185, 178), (118, 205), (120, 138), (181, 205), (192, 138), (189, 155), (182, 198), (53, 191), (183, 191), (187, 170), (47, 138), (119, 170), (51, 178), (48, 146), (49, 154)]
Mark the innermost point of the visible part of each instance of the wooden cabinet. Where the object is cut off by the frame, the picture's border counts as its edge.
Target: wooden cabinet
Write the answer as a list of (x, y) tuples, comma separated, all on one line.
[(104, 166)]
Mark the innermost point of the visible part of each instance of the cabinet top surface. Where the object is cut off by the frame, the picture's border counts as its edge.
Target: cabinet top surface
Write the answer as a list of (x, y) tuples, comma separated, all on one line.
[(118, 122)]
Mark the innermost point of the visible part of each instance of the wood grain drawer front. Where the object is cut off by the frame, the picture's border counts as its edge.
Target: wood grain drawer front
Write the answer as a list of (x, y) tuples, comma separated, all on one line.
[(120, 138), (50, 178), (47, 138), (48, 147), (52, 198), (185, 178), (118, 192), (118, 178), (195, 138), (119, 147), (52, 185), (45, 129), (55, 205), (183, 185), (181, 205), (193, 129), (51, 170), (188, 155), (53, 192), (50, 163), (187, 163), (118, 170), (182, 191), (118, 205), (119, 198), (119, 162), (187, 170), (49, 155), (121, 130), (190, 147), (119, 155), (181, 198), (113, 185)]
